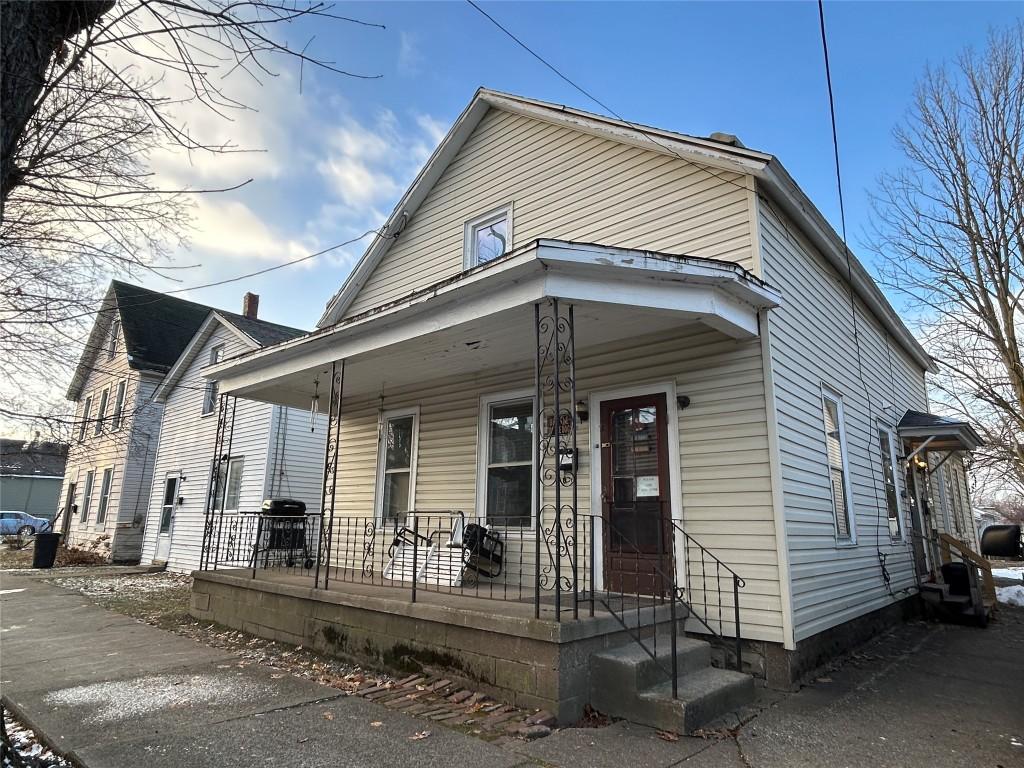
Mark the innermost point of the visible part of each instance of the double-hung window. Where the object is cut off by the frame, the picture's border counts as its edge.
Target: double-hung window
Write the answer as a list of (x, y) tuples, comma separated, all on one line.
[(115, 331), (838, 466), (488, 237), (101, 509), (122, 389), (90, 478), (83, 424), (887, 451), (506, 461), (396, 463), (229, 485), (101, 412), (210, 394)]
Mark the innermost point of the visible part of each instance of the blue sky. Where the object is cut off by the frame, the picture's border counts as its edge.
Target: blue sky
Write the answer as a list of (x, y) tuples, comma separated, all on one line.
[(339, 155)]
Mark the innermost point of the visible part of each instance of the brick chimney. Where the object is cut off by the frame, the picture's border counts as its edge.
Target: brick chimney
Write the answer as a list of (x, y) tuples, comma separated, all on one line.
[(251, 305)]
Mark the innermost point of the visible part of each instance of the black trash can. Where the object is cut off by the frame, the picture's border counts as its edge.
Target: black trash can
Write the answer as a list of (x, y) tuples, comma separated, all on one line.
[(46, 550)]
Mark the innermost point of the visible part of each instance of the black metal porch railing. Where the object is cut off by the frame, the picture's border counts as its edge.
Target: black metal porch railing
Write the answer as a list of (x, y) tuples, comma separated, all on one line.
[(259, 542)]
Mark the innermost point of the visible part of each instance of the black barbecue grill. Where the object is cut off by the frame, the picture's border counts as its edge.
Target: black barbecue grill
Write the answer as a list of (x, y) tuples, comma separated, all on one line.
[(281, 534)]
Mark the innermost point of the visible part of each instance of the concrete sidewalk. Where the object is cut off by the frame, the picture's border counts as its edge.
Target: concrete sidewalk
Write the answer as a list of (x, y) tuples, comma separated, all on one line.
[(110, 691), (114, 692)]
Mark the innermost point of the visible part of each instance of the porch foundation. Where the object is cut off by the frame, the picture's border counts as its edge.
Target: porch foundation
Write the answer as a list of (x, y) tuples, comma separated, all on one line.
[(495, 647)]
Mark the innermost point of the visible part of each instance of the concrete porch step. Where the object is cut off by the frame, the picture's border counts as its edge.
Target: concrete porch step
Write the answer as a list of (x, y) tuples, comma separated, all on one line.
[(627, 683), (630, 669), (703, 696)]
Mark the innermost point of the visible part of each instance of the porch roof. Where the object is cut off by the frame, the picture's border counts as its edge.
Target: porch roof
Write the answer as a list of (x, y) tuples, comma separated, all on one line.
[(926, 431), (483, 318)]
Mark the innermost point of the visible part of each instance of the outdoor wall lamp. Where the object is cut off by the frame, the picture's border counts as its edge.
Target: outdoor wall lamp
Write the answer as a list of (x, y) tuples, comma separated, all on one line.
[(683, 401), (581, 411)]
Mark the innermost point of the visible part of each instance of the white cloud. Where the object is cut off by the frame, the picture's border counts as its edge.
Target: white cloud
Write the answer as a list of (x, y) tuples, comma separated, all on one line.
[(409, 56), (229, 229)]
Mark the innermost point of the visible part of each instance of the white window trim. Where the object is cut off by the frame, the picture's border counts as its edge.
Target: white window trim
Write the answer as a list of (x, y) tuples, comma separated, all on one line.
[(223, 491), (88, 494), (827, 393), (483, 458), (894, 459), (115, 332), (83, 427), (385, 416), (117, 415), (101, 410), (213, 359), (100, 498), (468, 242)]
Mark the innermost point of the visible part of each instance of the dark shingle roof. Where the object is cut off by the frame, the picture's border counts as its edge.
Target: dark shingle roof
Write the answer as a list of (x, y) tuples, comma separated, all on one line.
[(263, 333), (20, 457), (156, 327), (912, 419)]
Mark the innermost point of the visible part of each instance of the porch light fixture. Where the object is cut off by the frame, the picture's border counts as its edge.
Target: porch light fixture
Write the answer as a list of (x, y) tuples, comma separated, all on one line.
[(314, 405), (581, 411), (683, 401)]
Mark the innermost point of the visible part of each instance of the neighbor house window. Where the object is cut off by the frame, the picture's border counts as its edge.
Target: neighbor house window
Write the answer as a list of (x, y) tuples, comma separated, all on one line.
[(101, 411), (210, 395), (229, 485), (122, 389), (838, 469), (115, 331), (85, 418), (507, 448), (396, 461), (101, 510), (90, 478), (488, 237), (887, 450)]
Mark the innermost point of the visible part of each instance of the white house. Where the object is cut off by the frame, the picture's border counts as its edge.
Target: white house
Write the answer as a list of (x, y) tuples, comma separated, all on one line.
[(647, 363), (276, 451)]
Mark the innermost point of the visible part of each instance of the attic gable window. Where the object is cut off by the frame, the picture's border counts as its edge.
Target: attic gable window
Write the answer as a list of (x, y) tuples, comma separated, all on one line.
[(210, 394), (488, 237)]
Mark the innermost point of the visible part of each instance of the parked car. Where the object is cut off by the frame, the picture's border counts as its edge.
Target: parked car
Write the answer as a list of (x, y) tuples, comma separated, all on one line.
[(22, 524)]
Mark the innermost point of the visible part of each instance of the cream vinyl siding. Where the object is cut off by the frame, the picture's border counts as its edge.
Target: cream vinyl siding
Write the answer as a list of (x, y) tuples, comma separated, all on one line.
[(567, 185), (723, 445), (187, 444), (124, 450), (812, 343)]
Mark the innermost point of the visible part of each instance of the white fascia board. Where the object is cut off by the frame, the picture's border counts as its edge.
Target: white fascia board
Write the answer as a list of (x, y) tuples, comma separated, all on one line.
[(613, 263), (170, 380), (519, 279), (701, 151), (799, 207)]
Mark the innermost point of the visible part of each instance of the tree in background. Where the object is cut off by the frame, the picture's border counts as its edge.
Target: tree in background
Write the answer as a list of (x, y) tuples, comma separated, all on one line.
[(950, 231), (84, 102)]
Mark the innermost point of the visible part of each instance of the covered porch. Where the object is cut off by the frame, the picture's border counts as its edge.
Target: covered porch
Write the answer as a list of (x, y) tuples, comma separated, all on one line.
[(513, 435)]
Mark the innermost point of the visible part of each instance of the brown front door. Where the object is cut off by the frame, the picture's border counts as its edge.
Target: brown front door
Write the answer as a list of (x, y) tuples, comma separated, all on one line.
[(635, 495)]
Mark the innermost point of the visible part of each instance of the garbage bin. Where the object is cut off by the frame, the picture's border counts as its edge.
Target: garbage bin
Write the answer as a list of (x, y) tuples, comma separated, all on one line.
[(46, 550)]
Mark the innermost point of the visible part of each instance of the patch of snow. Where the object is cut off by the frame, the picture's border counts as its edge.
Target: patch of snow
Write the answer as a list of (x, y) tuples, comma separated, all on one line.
[(1009, 573), (108, 586), (124, 699), (23, 741), (11, 591), (1011, 595)]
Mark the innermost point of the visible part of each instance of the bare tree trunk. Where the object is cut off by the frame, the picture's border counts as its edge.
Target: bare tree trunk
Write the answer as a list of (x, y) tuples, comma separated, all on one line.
[(31, 33)]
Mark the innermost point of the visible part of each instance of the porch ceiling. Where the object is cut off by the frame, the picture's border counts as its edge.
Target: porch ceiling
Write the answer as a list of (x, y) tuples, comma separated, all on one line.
[(484, 320)]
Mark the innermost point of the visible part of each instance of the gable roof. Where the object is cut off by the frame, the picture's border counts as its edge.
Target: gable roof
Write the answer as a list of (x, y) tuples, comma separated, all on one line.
[(156, 329), (726, 154), (256, 334), (39, 458)]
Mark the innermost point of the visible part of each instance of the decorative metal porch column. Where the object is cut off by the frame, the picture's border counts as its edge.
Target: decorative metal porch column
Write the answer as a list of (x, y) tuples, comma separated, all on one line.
[(213, 522), (325, 538), (556, 455)]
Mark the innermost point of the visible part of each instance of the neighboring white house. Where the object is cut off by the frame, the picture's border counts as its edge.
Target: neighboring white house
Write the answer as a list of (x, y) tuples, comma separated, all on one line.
[(275, 452), (735, 367)]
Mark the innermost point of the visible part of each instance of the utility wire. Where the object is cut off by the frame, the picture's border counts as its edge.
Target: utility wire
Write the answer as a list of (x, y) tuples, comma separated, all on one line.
[(872, 439)]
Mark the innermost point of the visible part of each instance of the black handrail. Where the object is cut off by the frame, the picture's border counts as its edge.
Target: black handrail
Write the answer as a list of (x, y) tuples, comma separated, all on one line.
[(738, 583)]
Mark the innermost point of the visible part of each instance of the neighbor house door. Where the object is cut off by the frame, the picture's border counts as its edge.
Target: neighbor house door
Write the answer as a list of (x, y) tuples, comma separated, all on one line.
[(635, 495), (917, 497), (69, 509), (163, 538)]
